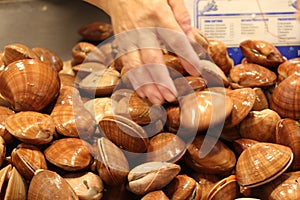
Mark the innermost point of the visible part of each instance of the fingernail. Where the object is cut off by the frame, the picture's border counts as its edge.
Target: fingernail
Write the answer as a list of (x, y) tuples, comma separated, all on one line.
[(156, 101), (170, 97)]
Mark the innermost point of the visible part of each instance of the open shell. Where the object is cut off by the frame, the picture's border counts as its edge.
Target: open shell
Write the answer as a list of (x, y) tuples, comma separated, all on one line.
[(86, 185), (225, 189), (76, 154), (262, 163), (47, 185), (29, 84), (31, 127)]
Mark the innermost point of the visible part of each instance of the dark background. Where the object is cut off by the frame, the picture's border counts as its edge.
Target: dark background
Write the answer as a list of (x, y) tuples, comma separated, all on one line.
[(52, 24)]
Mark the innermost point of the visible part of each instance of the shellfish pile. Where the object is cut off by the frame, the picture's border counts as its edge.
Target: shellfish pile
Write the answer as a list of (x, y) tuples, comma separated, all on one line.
[(77, 129)]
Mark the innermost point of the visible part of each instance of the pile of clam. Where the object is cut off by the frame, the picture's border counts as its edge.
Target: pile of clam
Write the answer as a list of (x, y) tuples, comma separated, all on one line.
[(77, 129)]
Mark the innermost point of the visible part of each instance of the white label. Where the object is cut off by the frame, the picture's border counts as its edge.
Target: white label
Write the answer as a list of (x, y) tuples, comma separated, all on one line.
[(233, 21)]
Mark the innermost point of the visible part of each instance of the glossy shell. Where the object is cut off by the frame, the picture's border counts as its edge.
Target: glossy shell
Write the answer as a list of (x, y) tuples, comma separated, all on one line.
[(151, 176), (260, 125), (183, 187), (76, 154), (47, 185), (112, 164), (285, 97), (125, 133), (157, 195), (261, 52), (261, 101), (243, 101), (209, 155), (29, 84), (251, 75), (16, 186), (70, 117), (16, 51), (99, 107), (174, 65), (166, 147), (241, 144), (203, 109), (139, 110), (31, 127), (262, 163), (4, 114), (288, 68), (49, 57), (86, 185), (288, 134), (188, 84), (86, 52), (225, 189), (96, 31), (218, 52), (27, 159)]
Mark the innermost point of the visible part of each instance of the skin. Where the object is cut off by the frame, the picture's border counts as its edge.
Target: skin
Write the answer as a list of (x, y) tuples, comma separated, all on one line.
[(141, 27), (298, 12)]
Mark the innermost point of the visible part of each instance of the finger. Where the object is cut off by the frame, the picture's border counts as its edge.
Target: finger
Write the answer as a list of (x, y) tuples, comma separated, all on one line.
[(182, 16)]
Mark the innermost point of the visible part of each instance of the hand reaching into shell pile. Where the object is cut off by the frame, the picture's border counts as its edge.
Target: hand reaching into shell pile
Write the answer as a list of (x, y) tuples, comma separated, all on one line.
[(142, 30)]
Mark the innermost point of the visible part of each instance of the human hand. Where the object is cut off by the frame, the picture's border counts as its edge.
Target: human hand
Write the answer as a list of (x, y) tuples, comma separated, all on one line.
[(142, 29)]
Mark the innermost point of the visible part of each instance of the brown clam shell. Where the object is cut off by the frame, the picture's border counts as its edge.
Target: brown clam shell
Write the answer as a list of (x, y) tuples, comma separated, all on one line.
[(16, 186), (27, 159), (262, 163), (125, 133), (285, 97), (261, 101), (220, 159), (151, 176), (47, 185), (16, 51), (86, 185), (262, 53), (260, 125), (83, 69), (174, 65), (166, 147), (86, 52), (288, 68), (183, 187), (49, 57), (251, 75), (67, 80), (70, 117), (101, 82), (157, 195), (243, 100), (99, 107), (288, 134), (206, 182), (202, 109), (139, 110), (243, 143), (225, 189), (173, 118), (188, 84), (96, 31), (76, 154), (285, 187), (2, 150), (218, 52), (31, 127), (29, 84), (112, 164), (200, 38), (4, 113)]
